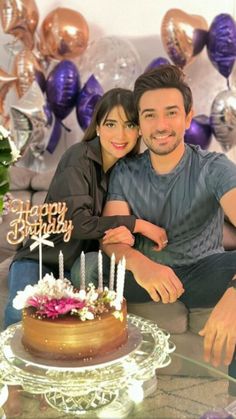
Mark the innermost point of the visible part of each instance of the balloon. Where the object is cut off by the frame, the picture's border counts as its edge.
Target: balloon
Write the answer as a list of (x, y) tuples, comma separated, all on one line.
[(29, 119), (63, 85), (223, 118), (199, 132), (64, 34), (156, 63), (221, 43), (27, 69), (89, 95), (183, 36), (6, 81), (20, 18), (112, 60)]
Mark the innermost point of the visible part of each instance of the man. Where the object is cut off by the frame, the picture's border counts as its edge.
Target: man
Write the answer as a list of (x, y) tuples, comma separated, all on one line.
[(186, 191)]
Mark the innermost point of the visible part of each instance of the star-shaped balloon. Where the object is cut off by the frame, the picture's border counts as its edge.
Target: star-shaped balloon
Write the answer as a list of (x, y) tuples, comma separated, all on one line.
[(20, 18), (6, 81), (29, 118)]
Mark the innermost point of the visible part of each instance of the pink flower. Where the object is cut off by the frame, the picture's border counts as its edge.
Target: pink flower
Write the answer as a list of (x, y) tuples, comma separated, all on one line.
[(55, 307)]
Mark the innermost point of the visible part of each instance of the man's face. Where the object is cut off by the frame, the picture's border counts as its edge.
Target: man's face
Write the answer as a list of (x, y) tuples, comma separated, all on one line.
[(163, 120)]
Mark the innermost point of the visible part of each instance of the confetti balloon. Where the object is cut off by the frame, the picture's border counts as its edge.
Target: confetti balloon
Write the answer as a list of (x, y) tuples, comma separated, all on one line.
[(113, 61)]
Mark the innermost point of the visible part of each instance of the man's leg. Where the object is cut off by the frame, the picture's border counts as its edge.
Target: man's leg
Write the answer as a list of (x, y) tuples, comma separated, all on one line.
[(205, 283), (23, 272)]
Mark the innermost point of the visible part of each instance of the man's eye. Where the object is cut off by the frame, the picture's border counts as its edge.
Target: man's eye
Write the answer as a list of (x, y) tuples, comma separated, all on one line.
[(172, 113), (149, 115)]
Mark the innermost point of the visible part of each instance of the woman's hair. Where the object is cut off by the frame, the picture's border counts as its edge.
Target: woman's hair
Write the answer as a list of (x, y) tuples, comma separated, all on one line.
[(111, 99), (162, 77)]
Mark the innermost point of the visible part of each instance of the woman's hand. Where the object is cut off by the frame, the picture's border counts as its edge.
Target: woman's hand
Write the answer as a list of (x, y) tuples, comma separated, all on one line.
[(118, 235), (152, 232)]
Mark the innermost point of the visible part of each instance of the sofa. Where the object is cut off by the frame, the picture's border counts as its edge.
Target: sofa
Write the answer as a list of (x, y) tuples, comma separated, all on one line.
[(182, 324)]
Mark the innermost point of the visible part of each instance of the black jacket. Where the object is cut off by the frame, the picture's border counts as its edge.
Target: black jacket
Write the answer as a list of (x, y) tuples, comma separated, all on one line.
[(79, 181)]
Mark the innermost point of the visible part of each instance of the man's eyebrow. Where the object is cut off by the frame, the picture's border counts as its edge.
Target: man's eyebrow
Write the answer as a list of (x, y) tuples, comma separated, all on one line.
[(153, 110)]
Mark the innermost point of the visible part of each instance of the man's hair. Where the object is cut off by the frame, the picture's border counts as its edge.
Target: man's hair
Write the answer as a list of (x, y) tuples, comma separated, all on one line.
[(162, 77)]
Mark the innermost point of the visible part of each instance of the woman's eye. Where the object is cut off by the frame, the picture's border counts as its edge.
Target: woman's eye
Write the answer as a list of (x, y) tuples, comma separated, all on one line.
[(110, 124), (131, 125)]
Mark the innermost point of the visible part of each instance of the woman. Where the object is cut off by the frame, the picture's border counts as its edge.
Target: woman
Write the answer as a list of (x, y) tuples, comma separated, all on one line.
[(81, 181)]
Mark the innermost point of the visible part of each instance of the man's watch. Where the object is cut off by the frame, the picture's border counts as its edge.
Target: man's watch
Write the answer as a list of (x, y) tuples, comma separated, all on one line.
[(232, 283)]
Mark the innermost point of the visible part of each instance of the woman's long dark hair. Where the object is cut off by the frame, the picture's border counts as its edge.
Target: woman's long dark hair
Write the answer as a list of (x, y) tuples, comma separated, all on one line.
[(114, 97)]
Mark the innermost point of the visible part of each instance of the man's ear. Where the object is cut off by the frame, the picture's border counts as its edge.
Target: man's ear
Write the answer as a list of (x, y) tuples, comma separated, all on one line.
[(189, 118)]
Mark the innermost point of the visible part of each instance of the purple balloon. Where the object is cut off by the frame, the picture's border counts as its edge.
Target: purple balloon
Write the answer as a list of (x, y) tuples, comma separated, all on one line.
[(221, 43), (55, 136), (89, 95), (62, 89), (157, 62), (199, 132)]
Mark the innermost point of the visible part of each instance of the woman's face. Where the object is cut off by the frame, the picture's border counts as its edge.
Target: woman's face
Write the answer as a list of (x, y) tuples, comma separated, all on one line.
[(118, 136)]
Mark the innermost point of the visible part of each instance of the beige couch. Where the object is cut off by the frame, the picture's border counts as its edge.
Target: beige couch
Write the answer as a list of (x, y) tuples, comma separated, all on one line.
[(182, 324)]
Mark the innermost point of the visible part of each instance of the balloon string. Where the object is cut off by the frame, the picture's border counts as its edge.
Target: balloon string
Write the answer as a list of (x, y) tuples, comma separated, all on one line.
[(65, 127), (228, 85)]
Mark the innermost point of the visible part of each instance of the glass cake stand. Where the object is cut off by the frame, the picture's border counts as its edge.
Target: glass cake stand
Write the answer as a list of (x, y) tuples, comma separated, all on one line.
[(91, 384)]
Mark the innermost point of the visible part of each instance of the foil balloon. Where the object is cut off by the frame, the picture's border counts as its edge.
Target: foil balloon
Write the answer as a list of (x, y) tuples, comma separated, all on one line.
[(113, 61), (183, 36), (20, 18), (156, 62), (64, 34), (6, 81), (62, 88), (223, 119), (29, 120), (221, 43), (27, 69), (89, 95), (199, 132)]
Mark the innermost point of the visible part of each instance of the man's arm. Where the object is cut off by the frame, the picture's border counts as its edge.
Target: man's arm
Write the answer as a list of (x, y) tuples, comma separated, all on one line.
[(159, 281), (220, 330)]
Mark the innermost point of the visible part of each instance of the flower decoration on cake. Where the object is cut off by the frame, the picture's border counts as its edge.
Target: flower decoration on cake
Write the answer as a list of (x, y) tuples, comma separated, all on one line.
[(8, 155), (53, 298)]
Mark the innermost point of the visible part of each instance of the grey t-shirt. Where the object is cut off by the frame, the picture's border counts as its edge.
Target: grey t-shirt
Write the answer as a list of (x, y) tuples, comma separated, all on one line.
[(185, 202)]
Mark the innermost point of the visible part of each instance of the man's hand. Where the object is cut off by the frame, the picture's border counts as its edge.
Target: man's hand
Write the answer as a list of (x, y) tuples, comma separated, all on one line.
[(158, 280), (118, 235), (219, 331), (153, 232)]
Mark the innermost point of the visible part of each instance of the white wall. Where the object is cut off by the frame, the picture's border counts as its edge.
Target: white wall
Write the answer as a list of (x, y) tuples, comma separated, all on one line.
[(140, 22)]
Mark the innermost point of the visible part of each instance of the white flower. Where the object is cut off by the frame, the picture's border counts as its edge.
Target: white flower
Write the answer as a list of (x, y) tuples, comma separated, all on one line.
[(14, 151), (4, 132), (20, 300)]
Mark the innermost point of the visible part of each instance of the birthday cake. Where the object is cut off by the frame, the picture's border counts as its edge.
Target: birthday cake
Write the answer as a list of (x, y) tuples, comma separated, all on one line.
[(60, 322)]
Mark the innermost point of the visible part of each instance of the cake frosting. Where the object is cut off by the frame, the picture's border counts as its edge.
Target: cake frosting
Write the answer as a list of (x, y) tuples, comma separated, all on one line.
[(61, 322)]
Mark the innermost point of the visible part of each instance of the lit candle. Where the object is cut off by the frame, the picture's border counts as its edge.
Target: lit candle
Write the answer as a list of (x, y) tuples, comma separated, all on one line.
[(82, 271), (61, 265), (100, 271), (112, 272)]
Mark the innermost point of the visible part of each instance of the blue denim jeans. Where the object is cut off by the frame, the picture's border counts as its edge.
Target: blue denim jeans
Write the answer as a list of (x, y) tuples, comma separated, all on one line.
[(23, 272)]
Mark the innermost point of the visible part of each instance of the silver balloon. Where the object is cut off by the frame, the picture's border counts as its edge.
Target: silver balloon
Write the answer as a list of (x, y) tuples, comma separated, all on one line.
[(223, 118), (113, 61), (29, 121)]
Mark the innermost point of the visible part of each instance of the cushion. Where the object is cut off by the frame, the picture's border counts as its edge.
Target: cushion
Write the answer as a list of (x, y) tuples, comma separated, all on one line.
[(20, 178), (171, 317), (41, 181), (198, 318)]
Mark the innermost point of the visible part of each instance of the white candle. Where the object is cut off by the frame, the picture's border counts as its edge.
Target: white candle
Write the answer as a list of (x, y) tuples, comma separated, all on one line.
[(82, 271), (61, 265), (100, 271), (112, 272), (120, 279)]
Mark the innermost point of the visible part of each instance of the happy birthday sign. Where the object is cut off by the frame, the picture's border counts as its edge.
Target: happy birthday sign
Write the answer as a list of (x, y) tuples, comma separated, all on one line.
[(38, 220)]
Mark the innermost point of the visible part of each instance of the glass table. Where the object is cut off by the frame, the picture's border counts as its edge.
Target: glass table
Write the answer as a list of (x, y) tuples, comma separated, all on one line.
[(133, 384)]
